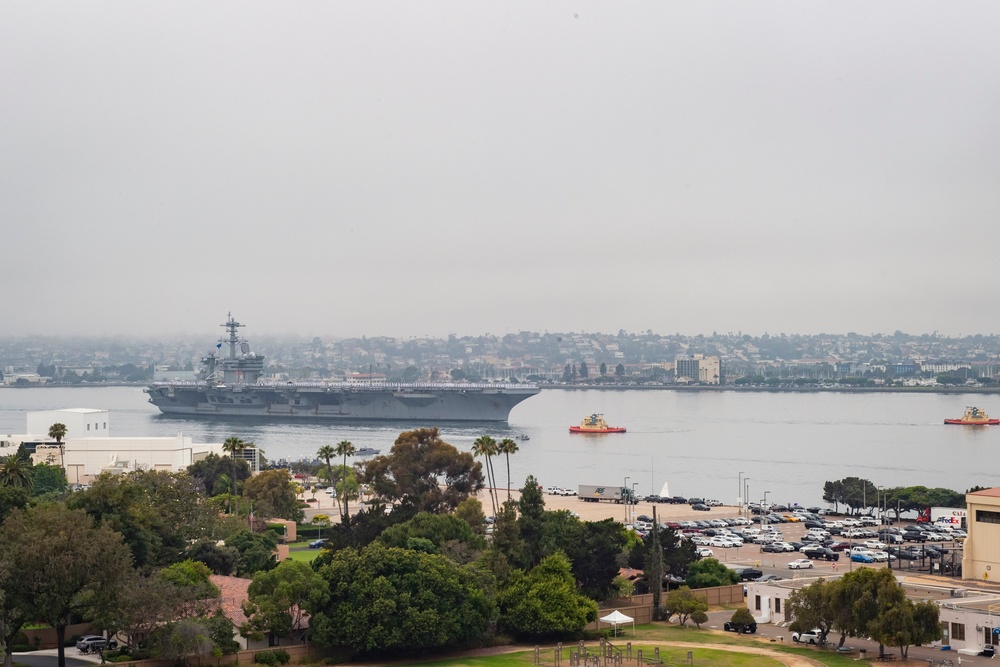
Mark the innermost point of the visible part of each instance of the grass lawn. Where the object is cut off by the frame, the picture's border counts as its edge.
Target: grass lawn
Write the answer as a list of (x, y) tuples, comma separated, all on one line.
[(670, 656), (306, 555), (658, 632)]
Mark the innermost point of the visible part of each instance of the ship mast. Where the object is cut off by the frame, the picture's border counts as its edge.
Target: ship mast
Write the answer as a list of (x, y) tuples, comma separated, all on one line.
[(231, 326)]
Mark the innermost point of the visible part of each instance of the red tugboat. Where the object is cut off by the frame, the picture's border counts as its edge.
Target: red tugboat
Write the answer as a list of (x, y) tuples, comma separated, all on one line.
[(595, 424), (974, 417)]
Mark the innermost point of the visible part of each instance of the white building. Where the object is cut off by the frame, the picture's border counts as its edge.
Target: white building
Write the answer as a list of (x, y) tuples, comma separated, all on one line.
[(79, 422), (968, 615), (88, 449)]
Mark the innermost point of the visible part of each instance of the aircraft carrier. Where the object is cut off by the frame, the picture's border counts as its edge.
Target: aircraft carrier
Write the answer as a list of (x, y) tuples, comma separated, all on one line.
[(231, 386)]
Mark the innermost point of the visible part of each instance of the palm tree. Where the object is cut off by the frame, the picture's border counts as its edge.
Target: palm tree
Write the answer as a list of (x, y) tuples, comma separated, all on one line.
[(327, 452), (233, 446), (345, 449), (57, 432), (486, 447), (15, 472), (507, 447)]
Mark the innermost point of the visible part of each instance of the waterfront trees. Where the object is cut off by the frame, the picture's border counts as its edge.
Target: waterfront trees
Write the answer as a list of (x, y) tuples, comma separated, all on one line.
[(273, 495), (214, 474), (507, 446), (486, 447), (345, 449), (545, 601), (424, 472), (386, 599), (866, 603)]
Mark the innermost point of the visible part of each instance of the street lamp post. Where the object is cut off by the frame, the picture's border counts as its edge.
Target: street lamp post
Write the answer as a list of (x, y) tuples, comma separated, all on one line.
[(746, 494), (739, 492), (634, 484), (763, 517), (627, 500)]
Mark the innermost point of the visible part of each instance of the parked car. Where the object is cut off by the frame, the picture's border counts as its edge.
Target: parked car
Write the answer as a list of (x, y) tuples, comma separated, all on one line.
[(827, 554), (746, 629), (713, 503), (800, 564), (317, 544), (862, 557), (701, 507), (704, 552), (811, 637), (88, 643)]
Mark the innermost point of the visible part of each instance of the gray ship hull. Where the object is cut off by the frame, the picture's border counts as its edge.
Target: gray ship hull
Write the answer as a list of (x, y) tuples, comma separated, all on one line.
[(342, 401)]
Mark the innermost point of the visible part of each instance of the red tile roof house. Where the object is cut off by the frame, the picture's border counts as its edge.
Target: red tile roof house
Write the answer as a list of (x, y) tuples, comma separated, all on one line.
[(233, 592)]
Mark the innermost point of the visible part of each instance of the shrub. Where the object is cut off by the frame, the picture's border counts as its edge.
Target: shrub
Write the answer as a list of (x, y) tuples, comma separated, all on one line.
[(121, 658), (276, 657), (266, 658)]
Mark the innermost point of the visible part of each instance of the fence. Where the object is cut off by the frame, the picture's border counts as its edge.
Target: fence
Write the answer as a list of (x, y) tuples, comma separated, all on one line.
[(300, 653), (640, 607)]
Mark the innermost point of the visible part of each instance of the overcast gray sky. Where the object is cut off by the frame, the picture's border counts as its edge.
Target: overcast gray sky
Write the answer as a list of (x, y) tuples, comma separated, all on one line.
[(412, 168)]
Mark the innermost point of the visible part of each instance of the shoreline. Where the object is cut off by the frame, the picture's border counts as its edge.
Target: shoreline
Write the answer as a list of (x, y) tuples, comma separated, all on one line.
[(618, 387)]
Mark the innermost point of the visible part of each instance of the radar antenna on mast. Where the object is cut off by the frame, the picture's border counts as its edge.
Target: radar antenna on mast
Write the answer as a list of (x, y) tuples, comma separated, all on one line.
[(231, 326)]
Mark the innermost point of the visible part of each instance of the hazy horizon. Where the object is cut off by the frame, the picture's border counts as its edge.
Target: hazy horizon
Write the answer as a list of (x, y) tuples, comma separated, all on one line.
[(402, 170)]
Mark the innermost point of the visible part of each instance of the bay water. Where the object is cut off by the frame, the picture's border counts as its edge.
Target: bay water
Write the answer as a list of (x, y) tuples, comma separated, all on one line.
[(786, 443)]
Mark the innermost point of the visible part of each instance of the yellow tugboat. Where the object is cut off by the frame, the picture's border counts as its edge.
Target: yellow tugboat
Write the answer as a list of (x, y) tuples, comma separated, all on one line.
[(595, 424), (974, 417)]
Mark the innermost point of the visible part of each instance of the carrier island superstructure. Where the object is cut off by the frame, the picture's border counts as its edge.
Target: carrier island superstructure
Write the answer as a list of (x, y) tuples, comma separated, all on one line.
[(231, 386)]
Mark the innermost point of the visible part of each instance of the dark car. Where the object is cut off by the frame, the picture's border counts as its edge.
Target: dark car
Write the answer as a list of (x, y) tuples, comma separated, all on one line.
[(742, 628), (695, 501), (827, 554), (839, 546), (773, 547), (913, 536), (679, 500), (750, 574), (701, 507), (317, 544)]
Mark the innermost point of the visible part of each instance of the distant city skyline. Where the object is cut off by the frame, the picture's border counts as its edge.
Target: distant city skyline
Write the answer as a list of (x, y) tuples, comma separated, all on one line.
[(440, 167)]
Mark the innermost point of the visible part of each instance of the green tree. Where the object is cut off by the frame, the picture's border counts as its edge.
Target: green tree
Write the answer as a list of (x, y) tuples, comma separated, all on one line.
[(594, 556), (507, 446), (273, 495), (469, 510), (439, 529), (219, 559), (486, 447), (545, 601), (424, 472), (345, 449), (214, 474), (603, 369), (256, 552), (279, 599), (327, 452), (708, 572), (66, 566), (742, 618), (620, 370), (531, 523), (683, 603), (812, 606), (159, 513), (234, 447), (192, 575), (12, 498), (15, 472), (584, 373), (47, 479), (384, 599)]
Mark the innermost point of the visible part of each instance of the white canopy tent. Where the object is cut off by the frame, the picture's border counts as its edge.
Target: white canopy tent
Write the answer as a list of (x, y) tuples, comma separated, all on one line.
[(615, 619)]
